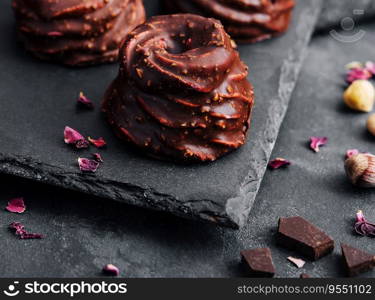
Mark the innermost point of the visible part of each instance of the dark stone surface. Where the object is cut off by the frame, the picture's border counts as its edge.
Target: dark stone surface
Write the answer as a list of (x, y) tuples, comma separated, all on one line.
[(334, 11), (38, 101), (83, 232)]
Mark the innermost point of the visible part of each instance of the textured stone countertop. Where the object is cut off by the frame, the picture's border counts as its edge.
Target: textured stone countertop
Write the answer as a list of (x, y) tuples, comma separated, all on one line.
[(84, 232)]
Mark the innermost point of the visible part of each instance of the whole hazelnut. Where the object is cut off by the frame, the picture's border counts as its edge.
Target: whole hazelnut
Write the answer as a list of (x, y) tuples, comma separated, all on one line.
[(360, 95), (371, 124), (360, 169)]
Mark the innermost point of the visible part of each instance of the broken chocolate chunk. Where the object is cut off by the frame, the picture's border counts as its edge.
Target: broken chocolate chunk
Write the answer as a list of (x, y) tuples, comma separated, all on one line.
[(258, 262), (357, 261), (296, 233)]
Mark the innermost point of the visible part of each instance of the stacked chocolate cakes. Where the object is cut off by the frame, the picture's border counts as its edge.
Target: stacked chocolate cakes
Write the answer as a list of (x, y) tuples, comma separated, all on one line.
[(76, 32)]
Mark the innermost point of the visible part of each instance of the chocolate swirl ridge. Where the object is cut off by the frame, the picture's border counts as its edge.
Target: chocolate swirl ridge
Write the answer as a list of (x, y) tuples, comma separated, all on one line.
[(245, 20), (182, 92)]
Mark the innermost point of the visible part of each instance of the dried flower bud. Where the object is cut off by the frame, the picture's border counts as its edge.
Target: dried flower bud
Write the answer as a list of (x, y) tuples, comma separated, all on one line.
[(371, 124), (360, 95), (111, 270), (361, 170), (362, 226)]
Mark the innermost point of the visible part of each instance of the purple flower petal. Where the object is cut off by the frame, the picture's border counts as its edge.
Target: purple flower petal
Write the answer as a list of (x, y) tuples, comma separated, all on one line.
[(278, 163), (111, 270), (362, 227), (97, 157), (370, 67), (73, 137), (88, 165), (316, 142), (16, 206), (99, 143), (19, 230), (351, 152), (84, 101), (357, 74)]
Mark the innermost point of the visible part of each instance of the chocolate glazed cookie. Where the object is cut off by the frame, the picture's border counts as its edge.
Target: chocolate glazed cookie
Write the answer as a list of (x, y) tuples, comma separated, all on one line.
[(181, 93), (76, 32), (245, 20)]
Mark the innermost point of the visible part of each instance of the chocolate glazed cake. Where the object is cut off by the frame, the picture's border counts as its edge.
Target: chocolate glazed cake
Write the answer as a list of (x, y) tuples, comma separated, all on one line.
[(76, 32), (245, 20), (181, 93)]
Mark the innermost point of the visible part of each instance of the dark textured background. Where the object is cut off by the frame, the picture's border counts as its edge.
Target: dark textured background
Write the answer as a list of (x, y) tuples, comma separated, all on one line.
[(85, 232), (38, 101)]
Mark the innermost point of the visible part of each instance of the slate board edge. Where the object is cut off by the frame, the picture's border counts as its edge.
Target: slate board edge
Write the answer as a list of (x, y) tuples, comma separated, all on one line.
[(131, 194), (288, 80)]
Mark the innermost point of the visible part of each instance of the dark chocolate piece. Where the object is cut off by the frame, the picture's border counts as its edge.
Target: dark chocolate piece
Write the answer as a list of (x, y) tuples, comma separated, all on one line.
[(76, 32), (258, 262), (182, 92), (296, 233), (357, 261), (245, 21)]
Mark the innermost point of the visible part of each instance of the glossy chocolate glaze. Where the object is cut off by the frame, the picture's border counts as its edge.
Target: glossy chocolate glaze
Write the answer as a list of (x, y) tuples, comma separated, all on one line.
[(76, 32), (182, 92), (245, 20)]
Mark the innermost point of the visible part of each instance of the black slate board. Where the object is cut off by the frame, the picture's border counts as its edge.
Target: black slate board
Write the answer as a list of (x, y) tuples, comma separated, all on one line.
[(38, 101)]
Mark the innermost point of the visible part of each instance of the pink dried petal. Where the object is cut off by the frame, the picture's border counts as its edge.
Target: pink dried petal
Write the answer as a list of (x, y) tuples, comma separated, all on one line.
[(97, 157), (317, 141), (370, 67), (362, 227), (31, 236), (22, 233), (111, 270), (99, 143), (356, 74), (298, 262), (73, 137), (84, 101), (16, 206), (88, 165), (278, 163), (55, 33), (351, 152)]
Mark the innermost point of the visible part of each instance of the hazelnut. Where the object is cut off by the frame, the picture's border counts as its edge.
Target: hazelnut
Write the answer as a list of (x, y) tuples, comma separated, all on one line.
[(371, 124), (360, 169), (360, 95)]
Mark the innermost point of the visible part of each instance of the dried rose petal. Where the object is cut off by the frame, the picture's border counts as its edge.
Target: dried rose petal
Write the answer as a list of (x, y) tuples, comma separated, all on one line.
[(278, 163), (370, 67), (73, 137), (357, 74), (84, 101), (362, 227), (88, 165), (55, 33), (16, 206), (351, 152), (19, 230), (99, 143), (97, 157), (298, 262), (111, 270), (317, 141)]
